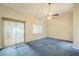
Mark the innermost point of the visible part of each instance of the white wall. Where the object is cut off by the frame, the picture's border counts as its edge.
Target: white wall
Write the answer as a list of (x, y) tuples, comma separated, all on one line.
[(76, 25), (11, 13), (61, 27), (29, 32), (0, 33)]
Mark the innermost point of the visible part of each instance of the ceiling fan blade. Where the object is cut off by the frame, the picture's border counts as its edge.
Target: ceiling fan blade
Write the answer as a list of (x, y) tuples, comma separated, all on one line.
[(56, 15)]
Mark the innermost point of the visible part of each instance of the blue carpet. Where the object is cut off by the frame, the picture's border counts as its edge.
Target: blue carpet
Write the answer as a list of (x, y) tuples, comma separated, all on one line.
[(42, 47)]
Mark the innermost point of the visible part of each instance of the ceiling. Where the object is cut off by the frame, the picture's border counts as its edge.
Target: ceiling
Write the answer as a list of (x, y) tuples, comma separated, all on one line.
[(39, 9)]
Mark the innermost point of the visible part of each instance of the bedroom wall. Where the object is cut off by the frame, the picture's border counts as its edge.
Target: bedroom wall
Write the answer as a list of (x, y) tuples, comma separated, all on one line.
[(30, 35), (76, 26), (0, 33), (61, 27), (11, 13)]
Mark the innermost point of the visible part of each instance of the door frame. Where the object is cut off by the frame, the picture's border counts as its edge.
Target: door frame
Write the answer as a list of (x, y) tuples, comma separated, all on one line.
[(14, 20)]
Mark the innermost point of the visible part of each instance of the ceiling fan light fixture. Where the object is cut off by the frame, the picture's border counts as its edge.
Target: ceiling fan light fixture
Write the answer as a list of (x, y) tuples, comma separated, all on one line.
[(49, 14), (49, 17)]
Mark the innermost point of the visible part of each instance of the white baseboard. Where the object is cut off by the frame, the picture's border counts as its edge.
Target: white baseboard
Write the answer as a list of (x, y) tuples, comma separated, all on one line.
[(35, 39)]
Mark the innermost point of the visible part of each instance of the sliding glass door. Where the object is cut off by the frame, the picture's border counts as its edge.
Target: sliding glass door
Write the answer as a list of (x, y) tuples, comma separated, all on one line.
[(13, 32), (19, 32)]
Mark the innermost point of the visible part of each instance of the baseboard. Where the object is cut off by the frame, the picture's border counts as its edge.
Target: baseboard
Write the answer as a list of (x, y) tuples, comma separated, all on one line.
[(51, 38), (35, 39), (59, 39)]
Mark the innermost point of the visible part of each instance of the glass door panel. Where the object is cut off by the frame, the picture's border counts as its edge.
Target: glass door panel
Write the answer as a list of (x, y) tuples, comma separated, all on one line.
[(19, 32), (13, 32)]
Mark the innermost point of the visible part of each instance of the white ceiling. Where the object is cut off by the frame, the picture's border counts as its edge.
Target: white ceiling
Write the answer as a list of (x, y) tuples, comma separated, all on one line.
[(38, 9)]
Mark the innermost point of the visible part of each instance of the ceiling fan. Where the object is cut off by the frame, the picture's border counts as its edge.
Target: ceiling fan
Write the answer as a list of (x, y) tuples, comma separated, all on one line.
[(50, 15)]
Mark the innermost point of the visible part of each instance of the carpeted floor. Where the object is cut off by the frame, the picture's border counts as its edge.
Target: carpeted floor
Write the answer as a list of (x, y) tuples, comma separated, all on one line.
[(41, 47)]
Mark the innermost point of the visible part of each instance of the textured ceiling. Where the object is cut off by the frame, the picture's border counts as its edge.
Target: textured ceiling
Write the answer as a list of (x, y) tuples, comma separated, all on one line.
[(39, 9)]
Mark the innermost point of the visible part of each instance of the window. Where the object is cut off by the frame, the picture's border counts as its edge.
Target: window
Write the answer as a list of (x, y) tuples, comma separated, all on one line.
[(37, 29)]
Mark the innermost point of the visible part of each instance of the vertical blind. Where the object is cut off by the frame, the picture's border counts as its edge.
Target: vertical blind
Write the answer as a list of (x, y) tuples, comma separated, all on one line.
[(13, 32)]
